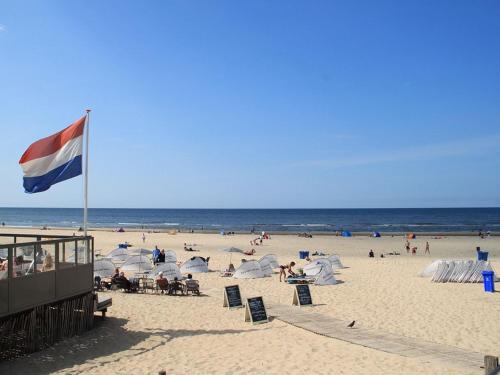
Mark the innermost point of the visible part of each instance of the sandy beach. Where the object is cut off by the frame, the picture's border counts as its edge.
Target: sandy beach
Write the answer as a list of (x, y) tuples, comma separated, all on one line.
[(145, 333)]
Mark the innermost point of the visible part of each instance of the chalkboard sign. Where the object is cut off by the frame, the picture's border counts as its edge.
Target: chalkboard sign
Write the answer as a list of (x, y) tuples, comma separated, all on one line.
[(255, 311), (302, 295), (232, 297)]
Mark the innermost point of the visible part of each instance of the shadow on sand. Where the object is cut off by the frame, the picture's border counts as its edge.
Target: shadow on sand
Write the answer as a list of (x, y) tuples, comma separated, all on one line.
[(109, 339)]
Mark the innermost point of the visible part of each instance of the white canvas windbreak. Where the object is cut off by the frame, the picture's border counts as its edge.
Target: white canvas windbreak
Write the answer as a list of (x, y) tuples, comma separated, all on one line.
[(335, 261), (265, 266), (249, 270), (315, 267), (273, 260), (325, 277)]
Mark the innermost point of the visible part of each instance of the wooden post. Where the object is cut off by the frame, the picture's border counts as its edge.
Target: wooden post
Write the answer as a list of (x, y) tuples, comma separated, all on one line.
[(490, 364)]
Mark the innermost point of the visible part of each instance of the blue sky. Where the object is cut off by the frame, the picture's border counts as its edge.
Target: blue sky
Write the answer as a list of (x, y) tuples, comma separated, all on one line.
[(230, 104)]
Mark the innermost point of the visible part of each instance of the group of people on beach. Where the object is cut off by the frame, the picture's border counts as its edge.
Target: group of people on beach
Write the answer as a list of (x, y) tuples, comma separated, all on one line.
[(413, 249)]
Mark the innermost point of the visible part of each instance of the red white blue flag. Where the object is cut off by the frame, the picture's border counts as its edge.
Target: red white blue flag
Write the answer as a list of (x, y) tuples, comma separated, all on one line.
[(53, 159)]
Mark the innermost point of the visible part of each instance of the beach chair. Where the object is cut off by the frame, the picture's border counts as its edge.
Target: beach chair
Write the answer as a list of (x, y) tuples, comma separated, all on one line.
[(97, 284), (125, 285), (162, 285), (174, 287), (192, 286)]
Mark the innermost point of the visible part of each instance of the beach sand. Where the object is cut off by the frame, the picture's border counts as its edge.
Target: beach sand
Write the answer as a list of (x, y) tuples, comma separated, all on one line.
[(145, 333)]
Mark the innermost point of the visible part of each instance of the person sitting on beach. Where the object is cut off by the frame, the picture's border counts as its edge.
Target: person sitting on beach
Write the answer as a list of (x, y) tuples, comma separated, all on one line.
[(161, 282), (371, 254), (161, 257), (48, 263), (127, 285), (414, 250), (116, 274), (251, 252), (287, 267), (175, 286)]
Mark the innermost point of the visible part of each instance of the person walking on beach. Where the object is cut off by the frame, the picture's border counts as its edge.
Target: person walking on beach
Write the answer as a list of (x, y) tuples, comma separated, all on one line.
[(408, 247), (143, 238), (427, 248)]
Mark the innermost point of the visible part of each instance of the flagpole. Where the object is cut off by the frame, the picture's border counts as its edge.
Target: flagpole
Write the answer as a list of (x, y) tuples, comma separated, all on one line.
[(86, 177)]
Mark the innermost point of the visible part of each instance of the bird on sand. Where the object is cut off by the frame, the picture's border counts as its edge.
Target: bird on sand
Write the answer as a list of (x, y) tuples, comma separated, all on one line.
[(351, 324)]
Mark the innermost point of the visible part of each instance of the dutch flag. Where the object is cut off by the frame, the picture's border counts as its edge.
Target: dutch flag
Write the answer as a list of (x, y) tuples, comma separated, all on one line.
[(53, 159)]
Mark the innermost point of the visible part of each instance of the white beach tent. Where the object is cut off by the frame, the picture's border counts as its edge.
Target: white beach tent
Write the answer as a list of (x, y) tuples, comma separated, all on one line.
[(273, 260), (316, 266), (170, 271), (194, 265), (249, 270), (265, 266), (335, 261), (325, 277), (170, 256), (103, 268), (137, 264), (118, 255)]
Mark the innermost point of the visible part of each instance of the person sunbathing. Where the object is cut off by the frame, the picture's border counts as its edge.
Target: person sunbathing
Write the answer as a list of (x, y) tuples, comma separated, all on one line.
[(251, 252), (287, 268)]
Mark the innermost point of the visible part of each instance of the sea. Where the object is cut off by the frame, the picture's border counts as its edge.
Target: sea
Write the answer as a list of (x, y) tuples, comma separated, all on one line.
[(440, 220)]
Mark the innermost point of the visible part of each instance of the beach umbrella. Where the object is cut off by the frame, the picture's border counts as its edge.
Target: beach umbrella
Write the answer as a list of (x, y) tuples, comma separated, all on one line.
[(170, 256), (145, 252), (170, 271), (137, 264), (194, 265), (118, 255), (103, 268), (232, 250)]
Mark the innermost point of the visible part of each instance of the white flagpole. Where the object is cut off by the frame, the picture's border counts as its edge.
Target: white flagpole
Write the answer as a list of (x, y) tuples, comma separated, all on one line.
[(86, 177)]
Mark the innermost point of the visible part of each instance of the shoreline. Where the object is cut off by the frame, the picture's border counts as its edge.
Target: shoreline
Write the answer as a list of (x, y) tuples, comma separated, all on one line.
[(211, 231)]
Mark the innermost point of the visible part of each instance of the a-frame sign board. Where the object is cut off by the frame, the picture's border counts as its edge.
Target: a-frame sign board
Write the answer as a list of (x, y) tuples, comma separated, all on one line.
[(255, 311), (302, 295), (232, 297)]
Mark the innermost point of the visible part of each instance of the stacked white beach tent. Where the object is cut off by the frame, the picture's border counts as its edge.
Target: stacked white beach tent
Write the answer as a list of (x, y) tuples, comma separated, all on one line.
[(456, 271)]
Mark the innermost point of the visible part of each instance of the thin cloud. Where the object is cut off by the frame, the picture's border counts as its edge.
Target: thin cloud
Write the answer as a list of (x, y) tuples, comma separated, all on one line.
[(426, 152), (2, 28)]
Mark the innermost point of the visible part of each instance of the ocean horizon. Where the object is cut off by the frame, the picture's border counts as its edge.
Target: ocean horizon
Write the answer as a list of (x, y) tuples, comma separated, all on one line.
[(275, 220)]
